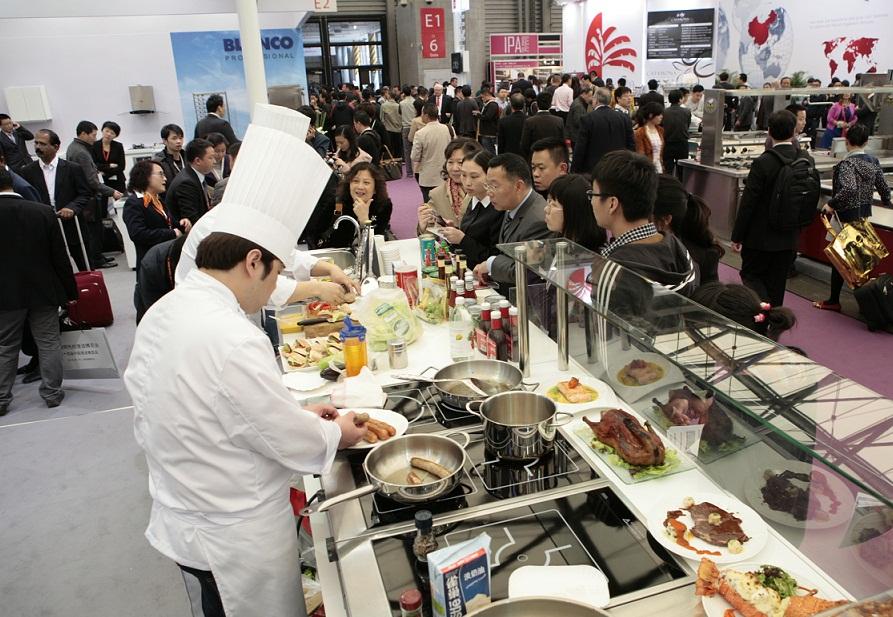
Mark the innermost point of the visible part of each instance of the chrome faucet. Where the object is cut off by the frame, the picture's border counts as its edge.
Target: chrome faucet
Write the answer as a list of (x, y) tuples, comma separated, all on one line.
[(366, 254), (354, 245)]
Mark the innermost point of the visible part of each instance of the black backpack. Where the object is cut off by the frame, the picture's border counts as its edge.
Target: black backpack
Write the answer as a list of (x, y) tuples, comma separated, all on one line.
[(795, 195)]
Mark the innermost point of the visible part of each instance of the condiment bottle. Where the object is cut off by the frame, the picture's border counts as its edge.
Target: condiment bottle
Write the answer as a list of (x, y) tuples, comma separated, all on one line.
[(469, 286), (353, 340), (496, 344), (514, 353), (424, 542), (504, 310), (484, 329), (451, 298), (411, 603), (441, 264), (461, 331)]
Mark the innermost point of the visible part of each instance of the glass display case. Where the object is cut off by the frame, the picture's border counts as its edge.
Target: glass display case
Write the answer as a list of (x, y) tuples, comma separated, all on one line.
[(811, 451)]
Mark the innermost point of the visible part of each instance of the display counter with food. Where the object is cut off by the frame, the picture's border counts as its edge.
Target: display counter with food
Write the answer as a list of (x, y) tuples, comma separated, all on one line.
[(674, 435)]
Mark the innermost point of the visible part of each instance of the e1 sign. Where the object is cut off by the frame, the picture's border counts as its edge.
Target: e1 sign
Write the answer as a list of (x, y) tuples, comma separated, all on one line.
[(433, 33)]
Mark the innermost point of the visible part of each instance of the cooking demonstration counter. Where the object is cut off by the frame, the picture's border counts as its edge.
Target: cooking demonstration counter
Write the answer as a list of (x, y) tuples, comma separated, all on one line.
[(580, 504)]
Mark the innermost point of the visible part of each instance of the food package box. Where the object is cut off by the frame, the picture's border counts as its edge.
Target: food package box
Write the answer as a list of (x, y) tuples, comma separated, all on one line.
[(460, 577)]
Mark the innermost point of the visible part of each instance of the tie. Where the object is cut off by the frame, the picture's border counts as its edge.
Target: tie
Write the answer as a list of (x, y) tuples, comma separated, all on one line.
[(503, 231), (438, 103), (206, 197)]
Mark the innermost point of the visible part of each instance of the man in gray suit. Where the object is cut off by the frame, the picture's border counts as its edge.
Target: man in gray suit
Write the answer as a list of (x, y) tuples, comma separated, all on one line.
[(510, 188)]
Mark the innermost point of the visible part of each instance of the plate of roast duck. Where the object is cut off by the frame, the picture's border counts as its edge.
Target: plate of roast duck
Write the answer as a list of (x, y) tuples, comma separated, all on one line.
[(685, 407), (632, 448), (636, 374), (711, 525), (758, 589)]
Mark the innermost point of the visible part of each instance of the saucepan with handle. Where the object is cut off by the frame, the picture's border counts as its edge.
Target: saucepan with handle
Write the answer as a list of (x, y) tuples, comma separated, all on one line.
[(518, 426), (408, 469), (491, 376)]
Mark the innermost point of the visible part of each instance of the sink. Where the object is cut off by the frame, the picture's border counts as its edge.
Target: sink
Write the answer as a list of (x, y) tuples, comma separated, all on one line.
[(342, 258)]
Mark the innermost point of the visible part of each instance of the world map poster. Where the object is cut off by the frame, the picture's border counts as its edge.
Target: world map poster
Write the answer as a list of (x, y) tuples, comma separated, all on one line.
[(769, 39)]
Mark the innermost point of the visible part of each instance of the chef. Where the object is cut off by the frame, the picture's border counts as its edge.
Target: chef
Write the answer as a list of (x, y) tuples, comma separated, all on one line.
[(221, 434), (304, 265)]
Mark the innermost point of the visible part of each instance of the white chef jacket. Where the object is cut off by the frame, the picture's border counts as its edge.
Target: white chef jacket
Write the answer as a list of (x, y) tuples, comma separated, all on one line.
[(301, 266), (222, 438)]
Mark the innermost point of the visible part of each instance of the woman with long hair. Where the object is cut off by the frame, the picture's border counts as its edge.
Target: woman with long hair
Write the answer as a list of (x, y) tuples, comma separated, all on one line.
[(649, 135), (569, 212), (478, 232), (362, 194), (446, 202), (687, 217), (348, 153)]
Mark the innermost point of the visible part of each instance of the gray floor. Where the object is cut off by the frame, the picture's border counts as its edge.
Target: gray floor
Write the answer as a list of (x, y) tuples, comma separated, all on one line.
[(74, 502)]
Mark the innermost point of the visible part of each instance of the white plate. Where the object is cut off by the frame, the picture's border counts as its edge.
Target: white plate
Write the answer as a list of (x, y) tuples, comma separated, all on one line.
[(838, 489), (751, 523), (606, 397), (584, 584), (399, 422), (304, 381), (631, 394), (716, 606)]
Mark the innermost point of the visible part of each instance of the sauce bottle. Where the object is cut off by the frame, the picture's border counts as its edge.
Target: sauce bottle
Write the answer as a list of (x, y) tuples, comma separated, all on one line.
[(353, 339)]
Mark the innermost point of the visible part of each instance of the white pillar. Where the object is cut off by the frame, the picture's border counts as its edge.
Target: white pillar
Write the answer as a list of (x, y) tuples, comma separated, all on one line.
[(252, 52)]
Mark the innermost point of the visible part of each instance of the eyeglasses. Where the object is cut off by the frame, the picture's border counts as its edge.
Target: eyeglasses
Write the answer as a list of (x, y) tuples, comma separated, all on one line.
[(489, 187), (591, 194)]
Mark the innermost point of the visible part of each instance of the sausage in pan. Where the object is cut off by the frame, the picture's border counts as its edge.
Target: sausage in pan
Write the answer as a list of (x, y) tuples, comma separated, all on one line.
[(430, 466)]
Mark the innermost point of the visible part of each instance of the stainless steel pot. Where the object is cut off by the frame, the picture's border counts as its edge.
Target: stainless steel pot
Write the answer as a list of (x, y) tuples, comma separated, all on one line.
[(492, 376), (388, 464), (538, 607), (518, 426)]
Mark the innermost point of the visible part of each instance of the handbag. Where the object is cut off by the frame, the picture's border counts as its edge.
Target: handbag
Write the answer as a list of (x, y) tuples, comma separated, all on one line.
[(391, 166), (855, 250)]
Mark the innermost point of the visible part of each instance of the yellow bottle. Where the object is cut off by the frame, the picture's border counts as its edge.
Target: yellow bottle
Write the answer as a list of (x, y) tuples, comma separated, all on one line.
[(353, 340)]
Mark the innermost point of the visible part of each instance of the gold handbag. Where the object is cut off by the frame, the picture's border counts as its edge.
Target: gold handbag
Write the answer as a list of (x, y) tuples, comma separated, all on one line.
[(855, 250)]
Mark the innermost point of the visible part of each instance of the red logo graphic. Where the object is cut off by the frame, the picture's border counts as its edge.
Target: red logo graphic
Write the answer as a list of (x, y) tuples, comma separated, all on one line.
[(851, 51), (604, 50), (759, 30)]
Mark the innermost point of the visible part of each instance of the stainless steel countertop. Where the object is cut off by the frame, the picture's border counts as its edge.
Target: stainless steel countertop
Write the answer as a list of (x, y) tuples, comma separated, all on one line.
[(823, 162)]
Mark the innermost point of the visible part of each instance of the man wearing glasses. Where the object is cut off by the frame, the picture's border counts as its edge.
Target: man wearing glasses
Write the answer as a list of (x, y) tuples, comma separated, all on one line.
[(624, 188), (510, 187)]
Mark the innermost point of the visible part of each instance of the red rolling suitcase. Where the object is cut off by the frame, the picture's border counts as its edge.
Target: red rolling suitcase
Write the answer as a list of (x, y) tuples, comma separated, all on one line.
[(93, 307)]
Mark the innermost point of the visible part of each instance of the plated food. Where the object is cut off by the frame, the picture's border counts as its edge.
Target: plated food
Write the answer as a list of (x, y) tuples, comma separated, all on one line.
[(308, 352), (625, 443), (640, 372), (708, 524), (572, 392), (757, 591), (381, 425)]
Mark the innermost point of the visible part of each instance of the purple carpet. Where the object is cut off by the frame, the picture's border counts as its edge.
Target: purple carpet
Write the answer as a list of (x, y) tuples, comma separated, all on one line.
[(836, 341), (406, 197), (841, 343)]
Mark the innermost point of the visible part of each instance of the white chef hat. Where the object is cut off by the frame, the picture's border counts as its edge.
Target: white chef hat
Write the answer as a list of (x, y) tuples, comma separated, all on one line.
[(275, 184)]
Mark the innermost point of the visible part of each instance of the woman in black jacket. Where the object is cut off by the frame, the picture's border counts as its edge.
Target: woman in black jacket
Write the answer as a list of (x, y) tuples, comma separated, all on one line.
[(363, 195), (108, 155)]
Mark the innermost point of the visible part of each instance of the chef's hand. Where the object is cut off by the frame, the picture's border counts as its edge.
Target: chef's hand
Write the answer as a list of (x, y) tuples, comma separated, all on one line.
[(736, 246), (323, 410), (66, 213), (340, 276), (481, 273), (350, 433), (453, 235), (426, 216), (330, 293)]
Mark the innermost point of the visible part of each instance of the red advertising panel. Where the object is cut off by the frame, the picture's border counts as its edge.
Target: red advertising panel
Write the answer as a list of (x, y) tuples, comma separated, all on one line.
[(433, 33)]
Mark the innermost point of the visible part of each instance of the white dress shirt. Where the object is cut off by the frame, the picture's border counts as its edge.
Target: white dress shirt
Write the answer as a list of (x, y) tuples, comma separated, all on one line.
[(475, 202), (563, 98), (49, 176)]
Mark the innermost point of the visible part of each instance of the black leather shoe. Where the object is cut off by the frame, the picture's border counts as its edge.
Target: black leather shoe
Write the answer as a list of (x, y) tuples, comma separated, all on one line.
[(31, 377), (108, 264), (4, 409), (28, 368), (56, 402)]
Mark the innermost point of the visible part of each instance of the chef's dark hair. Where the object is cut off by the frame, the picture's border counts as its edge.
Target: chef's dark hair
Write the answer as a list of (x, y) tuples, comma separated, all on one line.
[(223, 251)]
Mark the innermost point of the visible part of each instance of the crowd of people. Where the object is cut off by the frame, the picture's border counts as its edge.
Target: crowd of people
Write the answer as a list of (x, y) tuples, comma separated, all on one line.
[(574, 157)]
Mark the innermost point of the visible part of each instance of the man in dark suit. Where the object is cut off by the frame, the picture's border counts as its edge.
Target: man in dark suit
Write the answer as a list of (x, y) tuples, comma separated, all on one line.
[(652, 96), (521, 84), (19, 184), (67, 190), (12, 142), (511, 126), (602, 130), (540, 125), (676, 121), (188, 195), (443, 103), (367, 138), (767, 253), (37, 280), (510, 187), (465, 119), (214, 121)]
